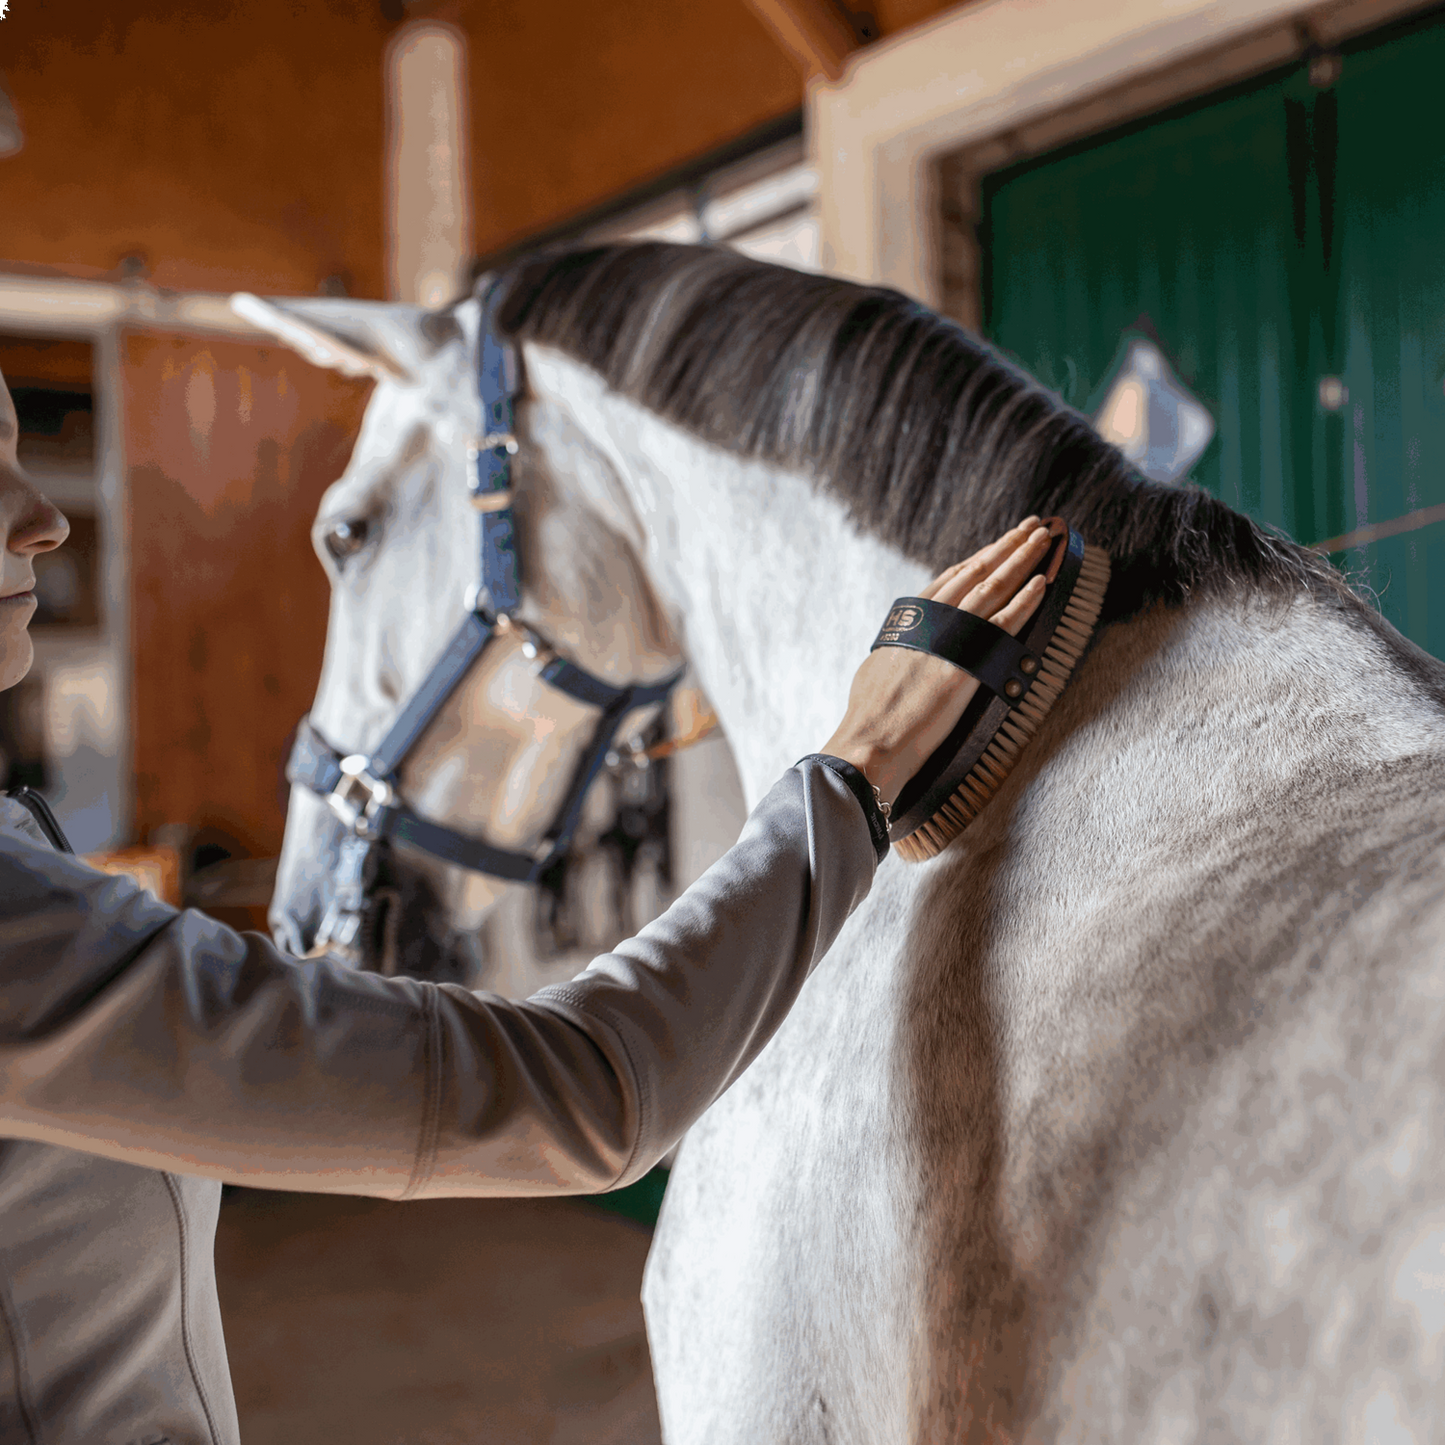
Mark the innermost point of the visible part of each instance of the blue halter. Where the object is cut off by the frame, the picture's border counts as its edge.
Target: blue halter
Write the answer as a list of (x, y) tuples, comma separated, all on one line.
[(362, 790)]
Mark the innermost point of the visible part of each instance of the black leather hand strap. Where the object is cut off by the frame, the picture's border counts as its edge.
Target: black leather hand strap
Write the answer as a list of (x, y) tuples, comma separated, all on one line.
[(1000, 662)]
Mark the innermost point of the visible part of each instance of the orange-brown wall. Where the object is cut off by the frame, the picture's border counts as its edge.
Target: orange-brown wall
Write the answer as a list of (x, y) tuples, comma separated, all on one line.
[(56, 362), (895, 15), (229, 145), (575, 102), (240, 145), (228, 449)]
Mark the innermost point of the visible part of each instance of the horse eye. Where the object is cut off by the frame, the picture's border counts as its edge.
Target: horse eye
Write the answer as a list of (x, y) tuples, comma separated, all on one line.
[(345, 539)]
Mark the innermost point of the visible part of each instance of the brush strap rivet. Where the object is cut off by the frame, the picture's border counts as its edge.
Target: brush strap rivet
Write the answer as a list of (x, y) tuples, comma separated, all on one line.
[(1028, 665), (1013, 688)]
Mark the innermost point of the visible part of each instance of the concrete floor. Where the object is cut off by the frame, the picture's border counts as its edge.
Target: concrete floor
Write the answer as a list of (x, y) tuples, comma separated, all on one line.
[(450, 1322)]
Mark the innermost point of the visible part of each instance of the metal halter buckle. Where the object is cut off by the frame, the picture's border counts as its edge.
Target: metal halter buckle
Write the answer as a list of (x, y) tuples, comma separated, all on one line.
[(538, 652), (492, 501), (359, 797), (500, 444), (535, 648)]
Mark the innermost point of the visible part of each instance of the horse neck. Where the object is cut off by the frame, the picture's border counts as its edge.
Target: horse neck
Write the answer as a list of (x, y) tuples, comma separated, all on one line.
[(1281, 689), (1190, 739), (776, 595)]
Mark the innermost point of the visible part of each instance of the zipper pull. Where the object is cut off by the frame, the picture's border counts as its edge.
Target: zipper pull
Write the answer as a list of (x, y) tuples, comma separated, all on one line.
[(39, 809)]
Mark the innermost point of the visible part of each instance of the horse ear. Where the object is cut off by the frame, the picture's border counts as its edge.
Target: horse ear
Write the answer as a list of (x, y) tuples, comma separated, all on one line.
[(353, 350)]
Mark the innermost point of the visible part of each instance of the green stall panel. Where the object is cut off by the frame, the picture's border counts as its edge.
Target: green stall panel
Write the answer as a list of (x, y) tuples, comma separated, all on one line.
[(1392, 258), (1276, 239)]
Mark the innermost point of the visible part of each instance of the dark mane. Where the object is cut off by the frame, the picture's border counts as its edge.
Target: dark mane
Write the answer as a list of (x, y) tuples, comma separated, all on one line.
[(935, 442)]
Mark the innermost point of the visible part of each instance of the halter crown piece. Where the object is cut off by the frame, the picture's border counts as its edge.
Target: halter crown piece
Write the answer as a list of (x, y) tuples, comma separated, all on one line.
[(362, 790)]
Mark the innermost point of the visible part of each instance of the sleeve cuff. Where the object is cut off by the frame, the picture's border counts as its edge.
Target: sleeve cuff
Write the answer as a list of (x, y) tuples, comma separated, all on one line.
[(861, 789)]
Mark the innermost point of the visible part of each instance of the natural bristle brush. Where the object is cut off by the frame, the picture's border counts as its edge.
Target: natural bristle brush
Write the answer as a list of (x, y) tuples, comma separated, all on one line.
[(1020, 679)]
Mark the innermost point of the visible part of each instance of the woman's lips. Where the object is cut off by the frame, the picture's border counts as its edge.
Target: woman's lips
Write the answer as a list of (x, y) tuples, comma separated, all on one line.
[(19, 597)]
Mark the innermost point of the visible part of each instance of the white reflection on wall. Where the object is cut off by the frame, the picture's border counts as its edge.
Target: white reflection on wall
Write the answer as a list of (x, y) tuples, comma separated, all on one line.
[(82, 739), (429, 233)]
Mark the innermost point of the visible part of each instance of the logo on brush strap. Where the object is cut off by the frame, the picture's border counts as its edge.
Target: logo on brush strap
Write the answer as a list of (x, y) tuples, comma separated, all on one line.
[(899, 621)]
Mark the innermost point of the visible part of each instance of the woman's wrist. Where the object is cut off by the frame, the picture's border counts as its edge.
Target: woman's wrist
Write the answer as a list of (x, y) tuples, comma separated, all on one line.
[(872, 762)]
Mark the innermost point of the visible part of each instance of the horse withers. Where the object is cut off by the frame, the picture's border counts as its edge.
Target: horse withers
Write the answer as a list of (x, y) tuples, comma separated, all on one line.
[(1112, 1123)]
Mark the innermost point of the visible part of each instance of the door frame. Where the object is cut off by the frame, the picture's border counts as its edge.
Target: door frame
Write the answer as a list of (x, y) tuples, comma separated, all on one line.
[(97, 312), (903, 139)]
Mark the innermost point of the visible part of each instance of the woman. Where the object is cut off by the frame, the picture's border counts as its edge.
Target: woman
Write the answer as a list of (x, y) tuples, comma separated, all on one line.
[(146, 1055)]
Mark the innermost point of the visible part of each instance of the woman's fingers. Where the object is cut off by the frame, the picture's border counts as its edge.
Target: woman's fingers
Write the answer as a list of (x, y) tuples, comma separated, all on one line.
[(995, 582), (901, 705), (957, 581), (1018, 611), (984, 590), (993, 591)]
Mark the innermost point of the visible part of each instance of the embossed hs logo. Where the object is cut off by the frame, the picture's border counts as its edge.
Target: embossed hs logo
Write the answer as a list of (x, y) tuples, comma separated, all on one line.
[(900, 620)]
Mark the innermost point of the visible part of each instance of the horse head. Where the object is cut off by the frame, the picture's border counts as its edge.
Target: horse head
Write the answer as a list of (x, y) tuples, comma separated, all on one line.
[(399, 539)]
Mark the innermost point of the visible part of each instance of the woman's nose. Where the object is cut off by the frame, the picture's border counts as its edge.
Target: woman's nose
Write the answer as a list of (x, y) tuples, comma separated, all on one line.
[(39, 524)]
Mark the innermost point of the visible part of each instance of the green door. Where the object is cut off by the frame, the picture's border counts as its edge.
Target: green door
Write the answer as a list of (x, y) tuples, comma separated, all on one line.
[(1392, 320), (1285, 244)]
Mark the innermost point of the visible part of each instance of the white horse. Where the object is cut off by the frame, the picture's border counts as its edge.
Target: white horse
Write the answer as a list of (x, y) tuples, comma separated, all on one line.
[(1114, 1122)]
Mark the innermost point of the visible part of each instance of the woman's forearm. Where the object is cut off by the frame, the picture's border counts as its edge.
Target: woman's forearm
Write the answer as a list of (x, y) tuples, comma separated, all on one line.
[(168, 1040)]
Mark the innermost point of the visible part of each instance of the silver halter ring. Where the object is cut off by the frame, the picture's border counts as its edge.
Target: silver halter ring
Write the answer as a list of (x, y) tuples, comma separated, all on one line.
[(359, 797)]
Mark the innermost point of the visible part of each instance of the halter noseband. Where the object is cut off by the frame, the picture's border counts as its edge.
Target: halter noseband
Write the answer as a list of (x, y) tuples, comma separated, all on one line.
[(362, 790)]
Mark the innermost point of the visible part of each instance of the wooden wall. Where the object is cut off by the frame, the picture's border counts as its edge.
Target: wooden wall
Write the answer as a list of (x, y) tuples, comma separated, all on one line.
[(46, 361), (229, 448), (575, 102), (234, 145), (241, 146), (229, 145)]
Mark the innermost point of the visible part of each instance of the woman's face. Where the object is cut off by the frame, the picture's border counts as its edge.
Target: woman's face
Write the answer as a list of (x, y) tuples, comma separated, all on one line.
[(28, 524)]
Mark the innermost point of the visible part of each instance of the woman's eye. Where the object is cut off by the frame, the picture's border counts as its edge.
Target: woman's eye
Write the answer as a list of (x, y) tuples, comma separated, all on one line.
[(345, 539)]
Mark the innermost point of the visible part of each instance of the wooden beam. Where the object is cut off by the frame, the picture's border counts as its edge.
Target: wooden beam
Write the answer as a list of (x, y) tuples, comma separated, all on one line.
[(815, 33)]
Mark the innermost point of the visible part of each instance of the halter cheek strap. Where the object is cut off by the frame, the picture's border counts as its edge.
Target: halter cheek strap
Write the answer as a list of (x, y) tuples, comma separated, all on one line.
[(362, 789)]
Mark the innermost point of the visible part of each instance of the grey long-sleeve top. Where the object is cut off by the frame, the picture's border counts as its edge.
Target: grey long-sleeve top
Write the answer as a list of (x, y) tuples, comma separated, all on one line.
[(174, 1048), (167, 1040)]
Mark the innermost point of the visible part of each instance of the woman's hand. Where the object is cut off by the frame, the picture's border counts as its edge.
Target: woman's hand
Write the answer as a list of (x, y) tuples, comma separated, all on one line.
[(903, 704)]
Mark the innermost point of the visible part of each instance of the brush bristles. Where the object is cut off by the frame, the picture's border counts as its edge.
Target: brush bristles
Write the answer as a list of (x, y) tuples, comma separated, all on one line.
[(1061, 654)]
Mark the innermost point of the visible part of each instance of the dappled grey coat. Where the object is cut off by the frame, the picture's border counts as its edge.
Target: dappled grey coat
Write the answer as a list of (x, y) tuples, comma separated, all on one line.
[(160, 1040)]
